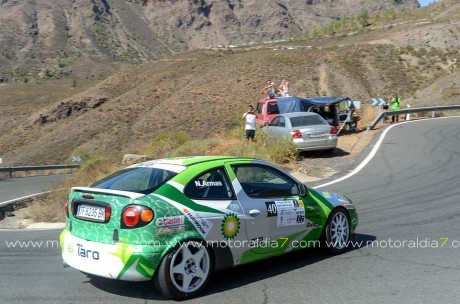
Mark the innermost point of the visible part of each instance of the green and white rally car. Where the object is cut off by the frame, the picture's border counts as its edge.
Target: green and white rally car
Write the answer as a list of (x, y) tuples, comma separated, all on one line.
[(177, 220)]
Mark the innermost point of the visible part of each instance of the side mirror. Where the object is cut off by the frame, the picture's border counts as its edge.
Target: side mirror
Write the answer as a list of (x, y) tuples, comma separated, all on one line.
[(303, 190)]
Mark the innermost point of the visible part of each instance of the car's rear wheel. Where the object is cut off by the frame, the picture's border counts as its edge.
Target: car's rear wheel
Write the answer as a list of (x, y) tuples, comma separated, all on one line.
[(336, 235), (185, 271)]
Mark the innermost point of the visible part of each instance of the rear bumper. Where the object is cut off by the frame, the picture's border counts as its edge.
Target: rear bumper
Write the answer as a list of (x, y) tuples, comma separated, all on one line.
[(311, 145), (115, 261)]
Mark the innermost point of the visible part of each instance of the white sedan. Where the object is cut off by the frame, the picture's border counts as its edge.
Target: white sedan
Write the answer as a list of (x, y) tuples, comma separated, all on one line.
[(308, 131)]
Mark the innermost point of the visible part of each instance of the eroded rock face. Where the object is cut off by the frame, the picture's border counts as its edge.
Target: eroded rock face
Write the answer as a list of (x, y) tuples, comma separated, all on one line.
[(55, 35), (68, 108)]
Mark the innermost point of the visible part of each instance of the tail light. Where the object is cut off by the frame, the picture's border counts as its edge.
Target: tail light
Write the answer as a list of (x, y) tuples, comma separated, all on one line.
[(333, 130), (135, 216), (108, 212), (66, 209), (296, 134)]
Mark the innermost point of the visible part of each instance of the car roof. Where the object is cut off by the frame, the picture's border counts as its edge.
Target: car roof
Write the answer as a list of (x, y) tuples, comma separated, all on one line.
[(186, 161)]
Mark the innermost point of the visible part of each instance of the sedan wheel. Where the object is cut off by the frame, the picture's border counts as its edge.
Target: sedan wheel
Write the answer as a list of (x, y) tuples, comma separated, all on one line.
[(337, 232), (184, 272)]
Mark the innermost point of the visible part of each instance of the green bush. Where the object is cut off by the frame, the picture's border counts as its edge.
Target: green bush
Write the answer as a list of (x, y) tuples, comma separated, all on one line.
[(281, 151), (276, 151)]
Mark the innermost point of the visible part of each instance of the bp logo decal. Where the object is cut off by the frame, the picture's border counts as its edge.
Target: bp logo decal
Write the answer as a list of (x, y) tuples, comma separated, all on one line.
[(230, 226)]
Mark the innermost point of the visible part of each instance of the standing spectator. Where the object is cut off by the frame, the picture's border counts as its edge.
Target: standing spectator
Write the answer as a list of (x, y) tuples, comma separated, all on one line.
[(268, 86), (395, 102), (250, 124), (272, 91), (284, 87)]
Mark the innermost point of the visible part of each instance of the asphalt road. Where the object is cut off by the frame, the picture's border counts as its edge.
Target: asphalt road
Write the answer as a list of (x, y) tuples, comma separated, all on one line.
[(12, 188), (407, 198)]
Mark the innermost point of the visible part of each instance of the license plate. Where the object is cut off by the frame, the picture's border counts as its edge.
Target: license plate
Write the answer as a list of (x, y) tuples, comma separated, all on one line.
[(316, 135), (91, 212)]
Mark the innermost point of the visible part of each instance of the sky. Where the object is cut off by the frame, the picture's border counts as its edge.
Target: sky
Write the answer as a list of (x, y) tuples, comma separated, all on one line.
[(426, 2)]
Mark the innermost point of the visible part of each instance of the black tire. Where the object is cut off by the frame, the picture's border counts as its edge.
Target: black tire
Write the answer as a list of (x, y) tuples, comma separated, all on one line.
[(191, 260), (336, 236)]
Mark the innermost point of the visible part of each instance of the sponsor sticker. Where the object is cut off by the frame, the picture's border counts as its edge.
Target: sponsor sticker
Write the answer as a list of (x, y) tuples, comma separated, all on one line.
[(288, 213), (234, 207), (230, 226), (170, 229), (311, 225), (202, 225), (87, 253), (170, 221)]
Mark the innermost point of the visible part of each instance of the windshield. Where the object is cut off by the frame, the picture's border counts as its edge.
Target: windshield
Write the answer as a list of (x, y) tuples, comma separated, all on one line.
[(301, 121), (140, 180)]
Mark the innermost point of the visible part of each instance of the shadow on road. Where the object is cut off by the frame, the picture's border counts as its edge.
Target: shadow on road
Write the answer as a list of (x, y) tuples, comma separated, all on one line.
[(231, 278)]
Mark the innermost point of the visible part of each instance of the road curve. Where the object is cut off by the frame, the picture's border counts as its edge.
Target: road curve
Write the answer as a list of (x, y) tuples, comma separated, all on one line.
[(407, 197), (13, 188)]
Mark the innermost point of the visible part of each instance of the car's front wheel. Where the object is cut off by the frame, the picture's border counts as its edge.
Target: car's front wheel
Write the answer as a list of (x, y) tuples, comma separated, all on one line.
[(185, 271), (337, 232)]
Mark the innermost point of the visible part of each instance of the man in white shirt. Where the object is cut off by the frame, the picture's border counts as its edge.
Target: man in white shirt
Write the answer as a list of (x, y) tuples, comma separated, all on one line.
[(250, 125)]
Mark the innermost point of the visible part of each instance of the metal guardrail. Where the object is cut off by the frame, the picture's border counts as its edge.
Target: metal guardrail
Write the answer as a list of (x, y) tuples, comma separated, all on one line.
[(433, 111), (10, 170)]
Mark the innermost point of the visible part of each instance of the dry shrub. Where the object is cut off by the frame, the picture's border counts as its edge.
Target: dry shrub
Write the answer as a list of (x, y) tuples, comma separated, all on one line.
[(164, 143), (197, 147), (367, 113)]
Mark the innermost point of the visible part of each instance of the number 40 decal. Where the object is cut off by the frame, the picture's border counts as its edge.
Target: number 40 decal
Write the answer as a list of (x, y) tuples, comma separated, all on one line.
[(271, 209)]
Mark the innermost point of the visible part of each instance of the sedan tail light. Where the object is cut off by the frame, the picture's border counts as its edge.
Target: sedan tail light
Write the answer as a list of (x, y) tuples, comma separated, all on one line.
[(333, 130), (296, 134), (135, 216)]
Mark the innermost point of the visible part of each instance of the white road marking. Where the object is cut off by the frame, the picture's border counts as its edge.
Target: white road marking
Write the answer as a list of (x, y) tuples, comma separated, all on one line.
[(374, 151)]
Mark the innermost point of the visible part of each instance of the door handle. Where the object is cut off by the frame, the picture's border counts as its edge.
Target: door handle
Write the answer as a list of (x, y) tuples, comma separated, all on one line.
[(254, 212)]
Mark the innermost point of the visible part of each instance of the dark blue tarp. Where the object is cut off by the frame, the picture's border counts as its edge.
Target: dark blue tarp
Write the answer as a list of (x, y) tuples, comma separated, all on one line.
[(297, 104)]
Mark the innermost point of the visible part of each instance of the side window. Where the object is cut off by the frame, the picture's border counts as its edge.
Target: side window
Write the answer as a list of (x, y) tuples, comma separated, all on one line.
[(274, 122), (213, 184), (259, 181), (282, 121), (259, 108), (278, 121)]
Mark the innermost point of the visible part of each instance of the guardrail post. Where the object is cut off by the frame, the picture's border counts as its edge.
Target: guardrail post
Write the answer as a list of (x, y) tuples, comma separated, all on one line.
[(11, 172), (433, 114)]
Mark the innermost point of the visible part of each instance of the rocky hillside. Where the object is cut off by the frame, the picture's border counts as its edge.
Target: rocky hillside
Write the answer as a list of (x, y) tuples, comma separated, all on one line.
[(203, 92), (79, 38)]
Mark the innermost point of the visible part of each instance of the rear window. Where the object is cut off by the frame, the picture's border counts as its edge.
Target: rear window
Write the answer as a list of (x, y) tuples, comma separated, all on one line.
[(301, 121), (140, 180), (272, 108)]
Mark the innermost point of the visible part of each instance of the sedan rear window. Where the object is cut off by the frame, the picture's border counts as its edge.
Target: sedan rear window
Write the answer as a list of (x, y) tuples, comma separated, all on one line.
[(140, 180), (300, 121)]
